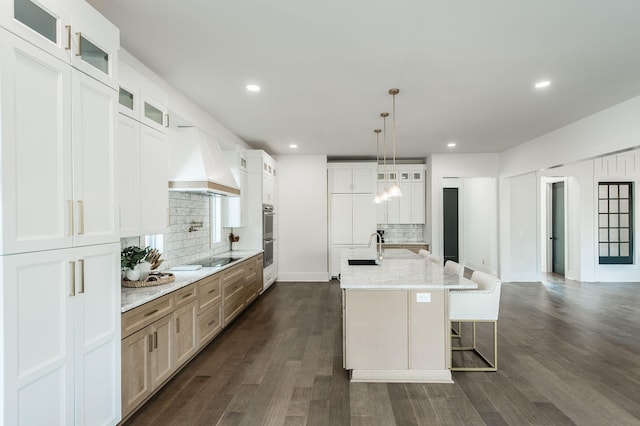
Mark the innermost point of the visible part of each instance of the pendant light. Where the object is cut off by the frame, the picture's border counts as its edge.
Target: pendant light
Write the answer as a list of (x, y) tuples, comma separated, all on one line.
[(377, 199), (385, 194), (394, 189)]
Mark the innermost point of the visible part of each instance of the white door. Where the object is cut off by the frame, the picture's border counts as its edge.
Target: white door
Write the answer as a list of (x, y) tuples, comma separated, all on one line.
[(97, 335), (94, 184), (154, 181), (38, 363), (36, 148), (128, 175), (341, 219), (364, 218)]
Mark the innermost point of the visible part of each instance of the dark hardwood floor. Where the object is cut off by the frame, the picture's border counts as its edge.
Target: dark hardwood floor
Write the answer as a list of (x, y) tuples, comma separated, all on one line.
[(569, 354)]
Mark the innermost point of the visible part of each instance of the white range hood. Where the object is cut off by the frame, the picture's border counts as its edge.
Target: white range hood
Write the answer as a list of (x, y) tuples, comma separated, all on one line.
[(197, 164)]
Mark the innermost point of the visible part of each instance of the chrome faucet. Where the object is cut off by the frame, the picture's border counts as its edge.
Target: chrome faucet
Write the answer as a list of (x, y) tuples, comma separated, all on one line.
[(377, 234)]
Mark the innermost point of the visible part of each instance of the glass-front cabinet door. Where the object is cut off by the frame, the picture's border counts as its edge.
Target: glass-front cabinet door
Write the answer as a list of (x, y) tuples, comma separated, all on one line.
[(40, 22), (94, 51), (154, 113)]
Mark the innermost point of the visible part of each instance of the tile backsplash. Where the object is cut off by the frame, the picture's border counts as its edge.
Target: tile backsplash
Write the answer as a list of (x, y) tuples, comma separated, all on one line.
[(403, 233), (179, 245)]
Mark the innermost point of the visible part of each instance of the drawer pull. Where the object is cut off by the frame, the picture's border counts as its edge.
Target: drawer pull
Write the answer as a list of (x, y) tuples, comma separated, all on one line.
[(211, 323), (148, 314), (177, 325), (212, 291), (187, 295), (155, 340), (150, 343)]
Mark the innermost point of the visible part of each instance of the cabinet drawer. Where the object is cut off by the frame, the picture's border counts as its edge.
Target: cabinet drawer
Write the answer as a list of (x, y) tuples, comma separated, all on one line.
[(233, 283), (232, 306), (185, 295), (144, 315), (209, 292), (209, 323)]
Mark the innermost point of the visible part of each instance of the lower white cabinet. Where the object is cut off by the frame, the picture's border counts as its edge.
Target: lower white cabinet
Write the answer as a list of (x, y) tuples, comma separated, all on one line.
[(61, 329)]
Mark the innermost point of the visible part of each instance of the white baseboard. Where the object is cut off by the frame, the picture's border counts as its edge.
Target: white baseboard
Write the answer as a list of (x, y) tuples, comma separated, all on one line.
[(303, 276)]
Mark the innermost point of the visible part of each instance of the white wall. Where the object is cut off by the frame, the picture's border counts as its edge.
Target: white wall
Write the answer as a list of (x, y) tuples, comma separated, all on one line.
[(185, 107), (302, 218), (442, 168), (519, 252), (480, 224), (614, 129)]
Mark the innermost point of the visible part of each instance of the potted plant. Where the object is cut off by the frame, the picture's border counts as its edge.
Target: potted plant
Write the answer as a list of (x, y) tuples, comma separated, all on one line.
[(130, 258)]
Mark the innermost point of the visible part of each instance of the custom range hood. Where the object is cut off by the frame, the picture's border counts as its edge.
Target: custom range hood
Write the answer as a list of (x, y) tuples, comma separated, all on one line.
[(197, 164)]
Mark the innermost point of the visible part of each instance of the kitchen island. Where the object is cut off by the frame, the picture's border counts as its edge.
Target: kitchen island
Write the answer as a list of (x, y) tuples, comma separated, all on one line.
[(395, 318)]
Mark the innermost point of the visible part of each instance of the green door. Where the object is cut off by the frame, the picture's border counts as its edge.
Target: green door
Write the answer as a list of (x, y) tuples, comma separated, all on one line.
[(557, 227)]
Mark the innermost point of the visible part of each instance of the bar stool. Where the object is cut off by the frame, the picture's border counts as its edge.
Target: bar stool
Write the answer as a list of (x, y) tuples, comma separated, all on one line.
[(481, 305), (454, 268), (435, 259)]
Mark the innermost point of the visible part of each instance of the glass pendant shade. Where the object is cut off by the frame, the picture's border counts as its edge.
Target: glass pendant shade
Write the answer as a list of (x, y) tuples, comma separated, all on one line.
[(395, 191)]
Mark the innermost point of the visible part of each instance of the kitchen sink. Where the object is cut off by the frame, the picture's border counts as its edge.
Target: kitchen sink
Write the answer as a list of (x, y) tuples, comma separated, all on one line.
[(362, 261)]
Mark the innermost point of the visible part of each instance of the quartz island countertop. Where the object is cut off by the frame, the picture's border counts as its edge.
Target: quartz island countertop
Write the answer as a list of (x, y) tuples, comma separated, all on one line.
[(134, 297), (399, 269)]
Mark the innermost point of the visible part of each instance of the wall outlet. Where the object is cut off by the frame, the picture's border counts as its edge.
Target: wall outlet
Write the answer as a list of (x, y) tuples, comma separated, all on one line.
[(423, 297)]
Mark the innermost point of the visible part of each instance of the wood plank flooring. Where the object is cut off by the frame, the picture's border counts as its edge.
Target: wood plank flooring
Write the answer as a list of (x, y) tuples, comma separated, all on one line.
[(569, 354)]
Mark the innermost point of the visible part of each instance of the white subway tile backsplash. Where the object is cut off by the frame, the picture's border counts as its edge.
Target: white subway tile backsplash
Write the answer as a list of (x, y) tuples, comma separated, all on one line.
[(403, 233)]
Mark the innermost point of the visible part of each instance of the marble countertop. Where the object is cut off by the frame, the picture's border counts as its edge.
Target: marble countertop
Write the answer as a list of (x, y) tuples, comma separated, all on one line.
[(400, 269), (134, 297)]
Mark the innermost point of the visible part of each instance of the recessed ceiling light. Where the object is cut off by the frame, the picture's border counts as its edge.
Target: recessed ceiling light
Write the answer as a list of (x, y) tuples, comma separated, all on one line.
[(293, 145), (451, 144), (542, 84), (253, 87)]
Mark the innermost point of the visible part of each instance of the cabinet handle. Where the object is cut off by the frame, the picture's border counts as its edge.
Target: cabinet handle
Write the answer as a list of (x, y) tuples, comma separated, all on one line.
[(71, 218), (184, 296), (81, 217), (177, 325), (72, 264), (155, 340), (79, 52), (212, 291), (81, 262), (211, 323), (150, 343), (68, 28), (167, 117), (148, 314)]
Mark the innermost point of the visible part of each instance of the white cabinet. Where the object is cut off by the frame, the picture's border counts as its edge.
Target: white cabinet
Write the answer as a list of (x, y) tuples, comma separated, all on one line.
[(237, 207), (58, 183), (351, 178), (143, 162), (70, 30), (61, 329), (410, 208)]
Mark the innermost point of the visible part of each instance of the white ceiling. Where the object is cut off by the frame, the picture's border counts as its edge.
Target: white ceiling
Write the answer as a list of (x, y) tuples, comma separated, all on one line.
[(465, 68)]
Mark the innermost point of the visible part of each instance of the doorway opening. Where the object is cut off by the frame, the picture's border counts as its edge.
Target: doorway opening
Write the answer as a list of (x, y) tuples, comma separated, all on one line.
[(450, 229), (554, 225)]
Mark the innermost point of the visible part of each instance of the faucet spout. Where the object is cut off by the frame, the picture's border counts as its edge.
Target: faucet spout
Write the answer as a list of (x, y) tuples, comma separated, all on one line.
[(379, 237)]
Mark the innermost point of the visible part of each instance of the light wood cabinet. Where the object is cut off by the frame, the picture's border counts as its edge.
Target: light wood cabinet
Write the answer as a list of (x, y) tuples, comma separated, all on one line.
[(233, 280), (147, 362), (161, 336), (186, 339), (60, 328)]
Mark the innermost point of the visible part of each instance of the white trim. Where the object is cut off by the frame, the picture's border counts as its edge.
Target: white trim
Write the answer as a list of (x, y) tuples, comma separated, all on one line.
[(402, 376)]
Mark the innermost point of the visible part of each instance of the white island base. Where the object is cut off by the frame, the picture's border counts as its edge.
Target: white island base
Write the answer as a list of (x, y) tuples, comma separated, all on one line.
[(397, 335)]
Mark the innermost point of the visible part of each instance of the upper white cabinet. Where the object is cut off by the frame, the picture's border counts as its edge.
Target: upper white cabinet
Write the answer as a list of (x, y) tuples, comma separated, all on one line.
[(61, 337), (58, 182), (410, 208), (70, 30), (352, 178), (237, 207), (143, 161)]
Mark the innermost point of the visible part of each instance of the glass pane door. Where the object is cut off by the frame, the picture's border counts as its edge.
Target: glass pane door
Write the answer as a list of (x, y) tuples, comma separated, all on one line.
[(36, 18), (93, 55)]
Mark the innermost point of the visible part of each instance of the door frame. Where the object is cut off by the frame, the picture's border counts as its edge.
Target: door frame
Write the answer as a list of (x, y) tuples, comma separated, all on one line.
[(546, 231)]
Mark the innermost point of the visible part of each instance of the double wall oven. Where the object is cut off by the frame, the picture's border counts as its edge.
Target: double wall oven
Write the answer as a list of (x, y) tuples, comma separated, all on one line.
[(268, 240)]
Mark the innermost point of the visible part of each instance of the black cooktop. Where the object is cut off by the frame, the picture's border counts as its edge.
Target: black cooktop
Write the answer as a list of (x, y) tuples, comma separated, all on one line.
[(212, 262)]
